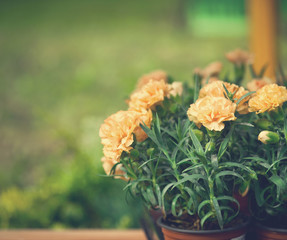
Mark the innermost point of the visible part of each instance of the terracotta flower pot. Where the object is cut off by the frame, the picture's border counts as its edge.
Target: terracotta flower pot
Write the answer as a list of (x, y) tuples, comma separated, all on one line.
[(234, 233), (266, 233)]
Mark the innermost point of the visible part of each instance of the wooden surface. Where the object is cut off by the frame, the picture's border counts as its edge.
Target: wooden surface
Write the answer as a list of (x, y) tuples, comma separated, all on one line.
[(72, 235), (263, 34)]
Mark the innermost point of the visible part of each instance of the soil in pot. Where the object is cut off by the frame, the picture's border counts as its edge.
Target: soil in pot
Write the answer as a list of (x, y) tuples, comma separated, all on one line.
[(190, 229)]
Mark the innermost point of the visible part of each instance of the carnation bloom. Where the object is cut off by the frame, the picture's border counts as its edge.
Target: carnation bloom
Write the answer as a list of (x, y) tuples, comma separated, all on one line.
[(117, 133), (256, 84), (239, 57), (211, 70), (268, 98), (216, 89), (157, 75), (212, 112), (175, 89), (148, 96)]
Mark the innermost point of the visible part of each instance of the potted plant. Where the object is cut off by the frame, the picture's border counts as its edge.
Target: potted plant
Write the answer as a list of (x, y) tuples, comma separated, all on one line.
[(269, 192), (187, 152)]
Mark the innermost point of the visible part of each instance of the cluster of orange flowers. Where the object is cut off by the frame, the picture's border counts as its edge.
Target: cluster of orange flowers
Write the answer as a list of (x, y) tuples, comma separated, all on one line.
[(118, 131), (212, 108)]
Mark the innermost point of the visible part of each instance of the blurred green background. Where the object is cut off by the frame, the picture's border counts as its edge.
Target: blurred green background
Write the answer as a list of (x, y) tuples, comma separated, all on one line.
[(67, 65)]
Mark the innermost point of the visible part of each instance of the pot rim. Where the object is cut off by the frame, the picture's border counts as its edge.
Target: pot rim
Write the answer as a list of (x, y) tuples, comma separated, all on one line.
[(270, 229), (203, 232)]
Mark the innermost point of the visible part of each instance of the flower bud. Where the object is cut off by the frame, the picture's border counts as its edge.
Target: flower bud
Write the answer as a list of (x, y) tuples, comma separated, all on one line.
[(150, 151), (134, 154), (199, 134), (268, 137), (263, 124), (210, 147)]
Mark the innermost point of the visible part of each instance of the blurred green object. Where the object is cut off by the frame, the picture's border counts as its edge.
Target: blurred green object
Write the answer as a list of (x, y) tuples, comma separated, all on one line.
[(76, 198)]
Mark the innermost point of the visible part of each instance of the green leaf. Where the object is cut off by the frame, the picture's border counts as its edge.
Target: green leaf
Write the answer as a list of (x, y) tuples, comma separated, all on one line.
[(157, 131), (196, 143), (228, 198), (201, 205), (190, 178), (183, 161), (150, 133), (239, 165), (285, 126), (151, 197), (223, 145), (193, 167), (192, 200), (228, 173), (219, 184), (274, 163), (278, 182), (170, 133), (206, 216), (168, 186), (227, 93), (173, 206), (225, 208), (158, 193), (218, 212), (259, 199), (150, 160), (263, 162), (244, 96)]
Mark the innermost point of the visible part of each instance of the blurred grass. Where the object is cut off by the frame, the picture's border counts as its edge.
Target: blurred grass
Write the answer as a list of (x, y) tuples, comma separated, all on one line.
[(62, 62), (64, 67)]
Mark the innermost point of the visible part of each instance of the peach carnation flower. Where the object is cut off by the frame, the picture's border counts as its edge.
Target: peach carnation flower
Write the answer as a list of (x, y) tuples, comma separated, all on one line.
[(148, 96), (239, 57), (216, 89), (268, 98), (211, 70), (211, 112), (157, 75), (256, 84), (175, 89), (117, 133)]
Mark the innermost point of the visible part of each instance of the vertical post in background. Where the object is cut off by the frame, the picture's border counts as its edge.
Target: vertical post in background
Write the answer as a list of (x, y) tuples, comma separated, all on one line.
[(263, 34)]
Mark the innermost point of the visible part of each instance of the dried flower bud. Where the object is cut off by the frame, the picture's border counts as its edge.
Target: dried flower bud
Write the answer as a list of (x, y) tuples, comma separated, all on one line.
[(268, 137)]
